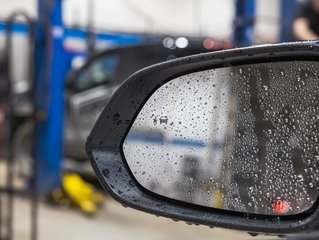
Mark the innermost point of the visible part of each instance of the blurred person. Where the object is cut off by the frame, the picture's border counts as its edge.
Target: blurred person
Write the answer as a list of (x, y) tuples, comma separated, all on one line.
[(306, 23)]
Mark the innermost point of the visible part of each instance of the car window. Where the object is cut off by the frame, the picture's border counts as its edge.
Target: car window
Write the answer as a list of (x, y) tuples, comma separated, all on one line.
[(101, 71), (114, 66)]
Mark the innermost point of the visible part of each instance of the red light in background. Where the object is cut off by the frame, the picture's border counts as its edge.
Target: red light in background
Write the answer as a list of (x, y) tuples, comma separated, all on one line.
[(281, 206), (209, 43)]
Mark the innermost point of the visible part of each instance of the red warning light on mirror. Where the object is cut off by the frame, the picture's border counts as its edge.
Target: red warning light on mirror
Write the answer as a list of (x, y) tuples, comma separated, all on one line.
[(281, 206)]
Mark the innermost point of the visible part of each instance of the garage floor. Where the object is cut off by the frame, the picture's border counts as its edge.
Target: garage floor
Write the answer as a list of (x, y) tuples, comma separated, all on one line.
[(113, 222)]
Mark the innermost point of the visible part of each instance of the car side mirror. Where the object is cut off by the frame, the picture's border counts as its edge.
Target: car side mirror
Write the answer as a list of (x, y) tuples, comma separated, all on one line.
[(226, 139)]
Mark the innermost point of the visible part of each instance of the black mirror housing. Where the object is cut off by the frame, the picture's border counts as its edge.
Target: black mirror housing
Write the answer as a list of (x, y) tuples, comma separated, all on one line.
[(104, 145)]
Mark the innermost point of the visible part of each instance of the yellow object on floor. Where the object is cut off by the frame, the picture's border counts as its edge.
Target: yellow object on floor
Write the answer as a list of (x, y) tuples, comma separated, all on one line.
[(81, 193), (76, 192)]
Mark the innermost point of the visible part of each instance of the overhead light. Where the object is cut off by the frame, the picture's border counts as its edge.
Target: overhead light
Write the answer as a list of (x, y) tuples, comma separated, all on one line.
[(181, 42), (168, 42)]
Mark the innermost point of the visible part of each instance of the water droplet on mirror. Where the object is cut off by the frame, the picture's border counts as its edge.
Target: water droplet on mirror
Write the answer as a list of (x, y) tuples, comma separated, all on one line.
[(106, 173)]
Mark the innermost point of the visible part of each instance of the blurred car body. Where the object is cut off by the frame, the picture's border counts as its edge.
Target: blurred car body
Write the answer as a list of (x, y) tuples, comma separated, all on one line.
[(92, 86), (89, 88)]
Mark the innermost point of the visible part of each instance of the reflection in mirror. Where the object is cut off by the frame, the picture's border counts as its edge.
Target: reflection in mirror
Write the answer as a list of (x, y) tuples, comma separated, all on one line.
[(241, 138)]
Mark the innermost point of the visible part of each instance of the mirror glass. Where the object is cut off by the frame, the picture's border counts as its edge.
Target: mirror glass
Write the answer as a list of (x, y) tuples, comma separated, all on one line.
[(241, 138)]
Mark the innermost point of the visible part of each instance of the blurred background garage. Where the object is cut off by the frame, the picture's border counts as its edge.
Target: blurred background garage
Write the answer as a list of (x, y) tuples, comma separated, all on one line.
[(60, 62)]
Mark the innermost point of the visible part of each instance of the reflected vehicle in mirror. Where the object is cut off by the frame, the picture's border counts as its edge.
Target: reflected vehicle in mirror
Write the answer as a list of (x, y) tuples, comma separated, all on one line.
[(226, 139)]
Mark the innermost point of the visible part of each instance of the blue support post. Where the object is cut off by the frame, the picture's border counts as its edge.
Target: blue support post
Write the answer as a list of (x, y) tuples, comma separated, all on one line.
[(49, 86), (244, 22), (287, 13)]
